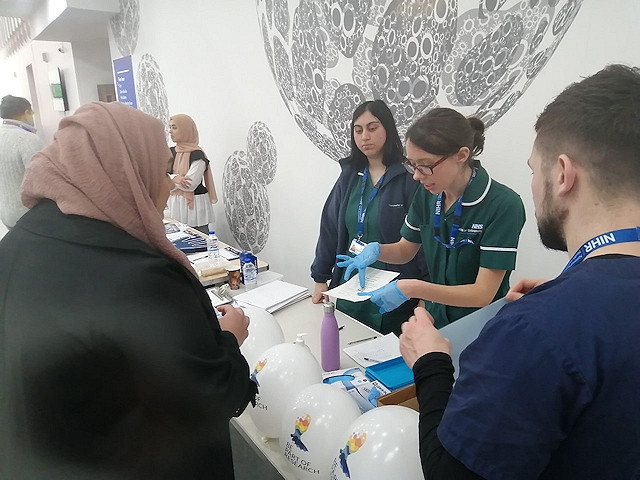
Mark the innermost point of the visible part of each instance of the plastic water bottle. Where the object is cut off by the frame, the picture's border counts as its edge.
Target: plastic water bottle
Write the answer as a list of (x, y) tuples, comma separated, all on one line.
[(248, 269), (250, 273), (212, 247), (329, 339)]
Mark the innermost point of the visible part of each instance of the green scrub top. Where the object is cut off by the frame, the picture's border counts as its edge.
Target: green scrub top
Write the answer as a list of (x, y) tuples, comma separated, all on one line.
[(492, 217), (368, 312)]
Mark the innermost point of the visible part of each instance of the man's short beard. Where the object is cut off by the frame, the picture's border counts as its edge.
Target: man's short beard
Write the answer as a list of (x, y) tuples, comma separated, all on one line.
[(551, 222)]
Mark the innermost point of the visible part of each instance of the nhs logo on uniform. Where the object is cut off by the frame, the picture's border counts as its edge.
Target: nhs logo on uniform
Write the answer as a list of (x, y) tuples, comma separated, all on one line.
[(475, 228)]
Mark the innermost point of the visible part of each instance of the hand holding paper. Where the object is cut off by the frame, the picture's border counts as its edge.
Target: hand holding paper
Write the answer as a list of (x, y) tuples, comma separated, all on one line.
[(349, 290), (361, 261), (387, 298)]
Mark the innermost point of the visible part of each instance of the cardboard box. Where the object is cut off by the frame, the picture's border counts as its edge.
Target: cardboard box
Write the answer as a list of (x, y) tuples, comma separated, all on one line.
[(405, 397)]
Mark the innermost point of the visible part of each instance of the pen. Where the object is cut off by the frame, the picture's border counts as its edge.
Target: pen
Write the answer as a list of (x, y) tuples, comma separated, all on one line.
[(369, 359), (362, 340)]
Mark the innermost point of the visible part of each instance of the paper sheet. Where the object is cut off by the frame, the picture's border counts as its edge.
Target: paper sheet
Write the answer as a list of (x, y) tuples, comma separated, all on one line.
[(228, 254), (375, 278), (194, 257), (174, 236), (377, 350)]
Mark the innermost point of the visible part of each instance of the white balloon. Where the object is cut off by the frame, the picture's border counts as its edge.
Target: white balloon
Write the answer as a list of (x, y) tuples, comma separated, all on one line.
[(313, 428), (281, 372), (381, 443), (264, 333)]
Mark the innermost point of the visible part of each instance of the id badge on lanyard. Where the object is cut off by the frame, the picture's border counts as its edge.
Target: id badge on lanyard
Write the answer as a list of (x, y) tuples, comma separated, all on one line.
[(357, 246)]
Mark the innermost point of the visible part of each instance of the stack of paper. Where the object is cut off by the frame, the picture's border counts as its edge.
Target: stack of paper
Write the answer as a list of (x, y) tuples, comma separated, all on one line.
[(273, 296)]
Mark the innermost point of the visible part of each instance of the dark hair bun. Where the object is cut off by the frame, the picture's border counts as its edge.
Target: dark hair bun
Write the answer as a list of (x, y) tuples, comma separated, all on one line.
[(478, 137)]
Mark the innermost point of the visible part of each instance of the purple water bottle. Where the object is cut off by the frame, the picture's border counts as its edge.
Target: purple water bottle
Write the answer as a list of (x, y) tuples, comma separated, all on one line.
[(329, 339)]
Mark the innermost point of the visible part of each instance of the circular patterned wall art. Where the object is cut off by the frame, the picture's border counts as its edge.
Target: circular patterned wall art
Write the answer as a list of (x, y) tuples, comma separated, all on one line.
[(124, 26), (244, 181), (151, 91), (327, 56)]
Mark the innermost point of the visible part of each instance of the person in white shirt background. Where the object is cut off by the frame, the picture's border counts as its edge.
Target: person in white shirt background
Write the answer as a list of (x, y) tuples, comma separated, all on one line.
[(18, 143)]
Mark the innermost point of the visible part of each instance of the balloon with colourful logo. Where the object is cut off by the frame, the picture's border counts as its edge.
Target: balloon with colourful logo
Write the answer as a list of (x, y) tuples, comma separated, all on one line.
[(381, 443), (313, 427), (280, 373)]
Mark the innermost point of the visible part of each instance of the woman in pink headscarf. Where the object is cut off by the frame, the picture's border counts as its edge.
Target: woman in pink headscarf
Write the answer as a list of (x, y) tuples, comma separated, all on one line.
[(112, 361), (194, 193)]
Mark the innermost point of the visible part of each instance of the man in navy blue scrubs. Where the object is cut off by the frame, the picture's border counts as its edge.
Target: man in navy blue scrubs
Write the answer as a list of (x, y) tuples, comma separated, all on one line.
[(551, 387)]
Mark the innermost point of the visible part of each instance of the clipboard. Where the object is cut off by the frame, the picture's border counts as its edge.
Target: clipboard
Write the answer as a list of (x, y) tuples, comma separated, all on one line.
[(466, 329)]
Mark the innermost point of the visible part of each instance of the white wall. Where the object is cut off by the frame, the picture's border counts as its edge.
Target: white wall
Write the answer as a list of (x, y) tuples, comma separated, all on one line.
[(213, 64), (602, 33), (93, 67), (214, 68), (13, 73)]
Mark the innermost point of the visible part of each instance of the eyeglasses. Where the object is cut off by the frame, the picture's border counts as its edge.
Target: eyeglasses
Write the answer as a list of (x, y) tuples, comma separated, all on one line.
[(423, 169)]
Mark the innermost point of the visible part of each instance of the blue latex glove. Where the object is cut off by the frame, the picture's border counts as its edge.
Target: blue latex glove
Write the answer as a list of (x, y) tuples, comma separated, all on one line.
[(361, 261), (387, 298)]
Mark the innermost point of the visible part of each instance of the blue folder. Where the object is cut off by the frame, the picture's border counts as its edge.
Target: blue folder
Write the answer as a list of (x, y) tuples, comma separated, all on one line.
[(191, 244), (393, 373)]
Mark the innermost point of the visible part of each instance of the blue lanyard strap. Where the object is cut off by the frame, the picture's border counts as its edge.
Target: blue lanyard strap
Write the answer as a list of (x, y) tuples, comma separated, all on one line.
[(457, 216), (19, 124), (615, 236), (362, 209)]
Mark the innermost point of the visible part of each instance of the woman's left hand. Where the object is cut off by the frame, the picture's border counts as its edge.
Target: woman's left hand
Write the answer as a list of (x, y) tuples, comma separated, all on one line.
[(235, 321), (388, 297), (182, 180), (318, 291)]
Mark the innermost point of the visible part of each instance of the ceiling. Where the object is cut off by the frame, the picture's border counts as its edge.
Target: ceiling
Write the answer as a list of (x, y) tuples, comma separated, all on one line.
[(18, 8), (72, 25), (76, 25)]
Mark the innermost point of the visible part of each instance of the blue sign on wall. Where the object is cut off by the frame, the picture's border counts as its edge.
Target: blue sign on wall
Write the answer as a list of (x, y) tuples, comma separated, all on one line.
[(125, 87)]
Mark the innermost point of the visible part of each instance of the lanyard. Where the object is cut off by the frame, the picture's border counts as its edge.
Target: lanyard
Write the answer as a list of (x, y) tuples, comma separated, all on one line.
[(457, 215), (362, 210), (19, 124), (616, 236)]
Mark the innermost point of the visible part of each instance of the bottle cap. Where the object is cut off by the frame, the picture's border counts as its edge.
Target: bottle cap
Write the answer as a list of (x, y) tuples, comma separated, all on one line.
[(212, 232), (328, 306), (300, 339)]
